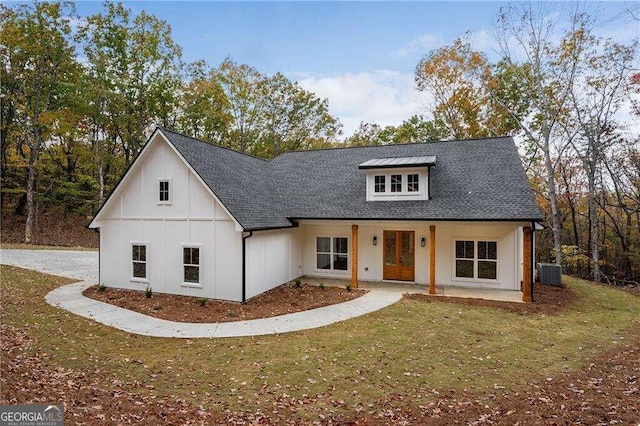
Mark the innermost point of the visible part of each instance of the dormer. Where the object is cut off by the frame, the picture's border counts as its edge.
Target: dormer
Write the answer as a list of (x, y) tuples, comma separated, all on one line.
[(399, 178)]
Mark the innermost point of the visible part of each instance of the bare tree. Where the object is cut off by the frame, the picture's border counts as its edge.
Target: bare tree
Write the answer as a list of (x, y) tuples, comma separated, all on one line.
[(596, 96), (528, 37)]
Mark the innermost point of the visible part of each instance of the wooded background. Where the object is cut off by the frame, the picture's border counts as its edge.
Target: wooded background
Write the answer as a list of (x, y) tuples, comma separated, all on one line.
[(80, 96)]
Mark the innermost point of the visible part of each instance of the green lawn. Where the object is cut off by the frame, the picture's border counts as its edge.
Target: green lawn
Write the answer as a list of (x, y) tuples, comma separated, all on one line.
[(410, 350)]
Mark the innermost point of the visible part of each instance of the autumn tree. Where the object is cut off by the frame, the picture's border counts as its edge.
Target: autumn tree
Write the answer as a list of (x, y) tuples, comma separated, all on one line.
[(595, 98), (40, 70), (545, 71)]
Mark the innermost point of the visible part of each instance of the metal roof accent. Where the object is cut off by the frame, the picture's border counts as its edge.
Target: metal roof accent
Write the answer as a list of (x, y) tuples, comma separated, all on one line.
[(386, 163)]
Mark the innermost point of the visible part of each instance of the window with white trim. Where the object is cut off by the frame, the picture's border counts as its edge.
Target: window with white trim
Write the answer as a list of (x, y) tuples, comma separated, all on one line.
[(413, 182), (476, 259), (396, 183), (487, 260), (164, 191), (380, 183), (139, 261), (332, 253), (191, 264)]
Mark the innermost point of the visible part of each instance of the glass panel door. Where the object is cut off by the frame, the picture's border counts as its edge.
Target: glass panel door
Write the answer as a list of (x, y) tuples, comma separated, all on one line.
[(390, 248), (407, 249)]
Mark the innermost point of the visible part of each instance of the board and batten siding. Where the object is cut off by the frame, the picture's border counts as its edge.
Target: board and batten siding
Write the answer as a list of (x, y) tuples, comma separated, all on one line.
[(194, 217), (273, 258)]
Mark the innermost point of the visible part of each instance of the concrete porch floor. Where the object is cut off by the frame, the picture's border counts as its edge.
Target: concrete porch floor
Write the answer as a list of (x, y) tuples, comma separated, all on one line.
[(400, 287)]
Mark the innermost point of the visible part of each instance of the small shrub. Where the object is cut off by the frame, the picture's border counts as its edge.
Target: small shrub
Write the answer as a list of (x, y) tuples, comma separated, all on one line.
[(298, 282), (348, 287), (321, 285), (232, 313), (148, 292), (102, 287), (202, 301)]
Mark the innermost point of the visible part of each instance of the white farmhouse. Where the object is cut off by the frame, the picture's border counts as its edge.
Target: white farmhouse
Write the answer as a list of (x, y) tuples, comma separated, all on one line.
[(197, 219)]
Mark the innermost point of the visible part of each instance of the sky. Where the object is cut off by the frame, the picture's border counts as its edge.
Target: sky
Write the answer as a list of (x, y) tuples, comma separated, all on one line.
[(361, 56)]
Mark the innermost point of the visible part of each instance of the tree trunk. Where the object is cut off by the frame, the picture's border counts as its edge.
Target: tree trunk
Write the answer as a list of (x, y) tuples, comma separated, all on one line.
[(29, 226), (556, 225), (595, 234)]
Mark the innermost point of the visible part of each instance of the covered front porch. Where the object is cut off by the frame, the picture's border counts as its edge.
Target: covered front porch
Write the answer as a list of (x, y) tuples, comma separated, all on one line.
[(486, 260), (411, 288)]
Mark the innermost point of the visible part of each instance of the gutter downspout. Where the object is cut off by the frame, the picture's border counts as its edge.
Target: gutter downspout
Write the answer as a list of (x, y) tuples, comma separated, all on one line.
[(244, 266), (99, 254)]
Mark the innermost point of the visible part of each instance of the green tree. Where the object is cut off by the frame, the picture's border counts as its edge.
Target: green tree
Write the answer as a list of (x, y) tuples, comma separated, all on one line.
[(204, 110), (271, 114), (292, 118), (136, 65), (414, 130)]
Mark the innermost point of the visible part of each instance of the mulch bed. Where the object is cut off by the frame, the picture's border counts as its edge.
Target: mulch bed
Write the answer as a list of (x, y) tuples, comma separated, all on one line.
[(549, 300), (285, 299)]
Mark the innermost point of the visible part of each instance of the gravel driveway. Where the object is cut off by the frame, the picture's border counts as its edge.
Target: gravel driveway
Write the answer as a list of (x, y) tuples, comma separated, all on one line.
[(74, 264)]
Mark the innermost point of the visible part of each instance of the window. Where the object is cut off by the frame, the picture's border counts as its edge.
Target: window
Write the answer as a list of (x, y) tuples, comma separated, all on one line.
[(191, 263), (164, 196), (396, 183), (487, 260), (412, 182), (464, 259), (139, 260), (482, 266), (332, 253), (380, 183)]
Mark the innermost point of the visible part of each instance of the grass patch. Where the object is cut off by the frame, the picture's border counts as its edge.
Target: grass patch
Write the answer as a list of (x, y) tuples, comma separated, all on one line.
[(409, 350)]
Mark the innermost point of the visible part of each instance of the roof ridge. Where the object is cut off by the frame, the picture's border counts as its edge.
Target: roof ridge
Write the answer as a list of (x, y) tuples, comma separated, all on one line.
[(396, 144), (217, 145)]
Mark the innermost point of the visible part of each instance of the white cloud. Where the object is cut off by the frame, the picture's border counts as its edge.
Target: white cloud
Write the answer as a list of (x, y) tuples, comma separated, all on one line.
[(383, 97), (420, 45)]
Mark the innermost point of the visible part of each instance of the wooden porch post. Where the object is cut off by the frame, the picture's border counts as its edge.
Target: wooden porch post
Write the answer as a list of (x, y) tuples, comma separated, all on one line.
[(526, 264), (354, 256), (432, 259)]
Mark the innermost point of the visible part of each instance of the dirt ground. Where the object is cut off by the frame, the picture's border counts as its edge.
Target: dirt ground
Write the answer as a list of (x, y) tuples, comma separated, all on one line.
[(284, 299), (549, 300), (53, 229)]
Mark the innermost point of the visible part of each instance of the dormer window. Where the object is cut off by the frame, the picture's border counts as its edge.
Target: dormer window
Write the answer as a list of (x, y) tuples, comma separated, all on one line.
[(380, 184), (398, 179), (413, 182), (396, 183)]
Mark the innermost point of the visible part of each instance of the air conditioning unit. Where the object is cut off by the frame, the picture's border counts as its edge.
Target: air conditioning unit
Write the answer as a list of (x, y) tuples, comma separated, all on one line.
[(550, 273)]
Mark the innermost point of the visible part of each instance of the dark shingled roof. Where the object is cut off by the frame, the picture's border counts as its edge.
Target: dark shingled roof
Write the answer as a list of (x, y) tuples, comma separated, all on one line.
[(480, 179)]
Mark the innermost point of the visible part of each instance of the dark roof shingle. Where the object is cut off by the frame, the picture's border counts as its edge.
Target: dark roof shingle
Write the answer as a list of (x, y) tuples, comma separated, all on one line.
[(481, 179)]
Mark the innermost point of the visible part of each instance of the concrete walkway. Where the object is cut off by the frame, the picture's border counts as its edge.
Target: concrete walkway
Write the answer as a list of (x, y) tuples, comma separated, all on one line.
[(84, 265), (70, 297)]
